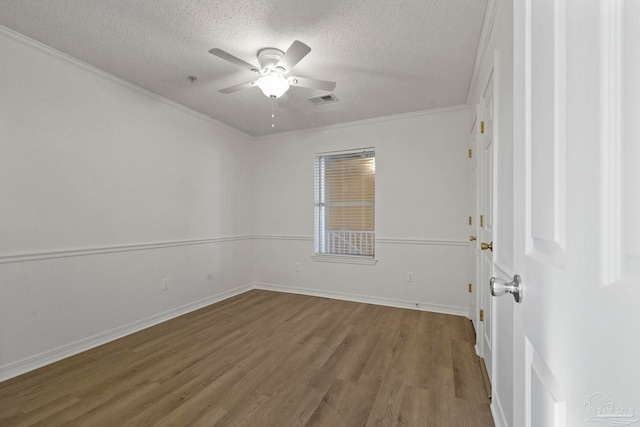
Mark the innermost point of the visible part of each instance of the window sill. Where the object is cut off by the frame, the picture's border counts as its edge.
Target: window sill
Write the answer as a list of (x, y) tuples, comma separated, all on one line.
[(344, 259)]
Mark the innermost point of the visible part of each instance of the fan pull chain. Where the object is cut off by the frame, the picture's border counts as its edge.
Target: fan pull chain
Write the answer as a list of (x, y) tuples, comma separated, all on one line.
[(273, 112)]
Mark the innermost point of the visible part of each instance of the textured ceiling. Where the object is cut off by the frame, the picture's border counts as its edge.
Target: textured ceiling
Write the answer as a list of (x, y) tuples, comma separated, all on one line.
[(387, 56)]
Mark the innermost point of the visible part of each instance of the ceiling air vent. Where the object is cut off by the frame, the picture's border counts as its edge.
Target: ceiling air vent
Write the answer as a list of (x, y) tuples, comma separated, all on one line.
[(324, 99)]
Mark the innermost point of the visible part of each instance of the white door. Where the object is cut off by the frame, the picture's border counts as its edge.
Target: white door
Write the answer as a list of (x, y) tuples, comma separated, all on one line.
[(485, 223), (577, 212), (474, 247)]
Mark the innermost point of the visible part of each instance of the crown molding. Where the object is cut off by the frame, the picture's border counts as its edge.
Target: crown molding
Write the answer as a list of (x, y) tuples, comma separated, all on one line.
[(364, 122), (21, 38)]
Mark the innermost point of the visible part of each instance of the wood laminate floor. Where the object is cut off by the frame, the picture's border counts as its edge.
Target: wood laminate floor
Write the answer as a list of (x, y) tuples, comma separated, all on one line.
[(266, 359)]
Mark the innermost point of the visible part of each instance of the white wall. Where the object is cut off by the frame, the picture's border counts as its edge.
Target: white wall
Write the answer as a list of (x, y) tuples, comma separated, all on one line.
[(421, 212), (106, 190)]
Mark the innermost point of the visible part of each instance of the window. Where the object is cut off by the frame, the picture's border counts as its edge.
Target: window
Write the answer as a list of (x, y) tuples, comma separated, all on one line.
[(345, 203)]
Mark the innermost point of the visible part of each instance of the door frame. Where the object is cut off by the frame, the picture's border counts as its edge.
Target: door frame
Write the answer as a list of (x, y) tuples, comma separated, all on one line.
[(483, 300)]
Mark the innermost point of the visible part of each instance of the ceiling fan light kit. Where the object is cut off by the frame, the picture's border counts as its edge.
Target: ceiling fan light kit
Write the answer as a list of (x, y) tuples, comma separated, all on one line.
[(273, 85)]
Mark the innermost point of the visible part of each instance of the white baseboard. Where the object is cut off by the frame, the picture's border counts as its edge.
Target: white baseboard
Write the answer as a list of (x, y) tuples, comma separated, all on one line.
[(422, 306), (34, 362), (496, 410)]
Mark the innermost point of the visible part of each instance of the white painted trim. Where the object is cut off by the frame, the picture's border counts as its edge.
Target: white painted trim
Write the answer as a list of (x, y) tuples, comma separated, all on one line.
[(34, 362), (98, 250), (102, 73), (485, 36), (344, 259), (497, 412), (282, 237), (425, 242), (382, 240), (421, 306), (364, 122)]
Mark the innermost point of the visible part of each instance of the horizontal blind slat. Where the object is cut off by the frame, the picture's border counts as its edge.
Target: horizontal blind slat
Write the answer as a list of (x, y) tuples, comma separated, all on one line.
[(345, 202)]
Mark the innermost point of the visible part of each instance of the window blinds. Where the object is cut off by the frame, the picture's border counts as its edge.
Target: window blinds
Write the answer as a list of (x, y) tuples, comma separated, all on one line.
[(345, 203)]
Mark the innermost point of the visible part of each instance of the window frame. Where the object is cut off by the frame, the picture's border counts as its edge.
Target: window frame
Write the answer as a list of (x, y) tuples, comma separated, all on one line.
[(320, 206)]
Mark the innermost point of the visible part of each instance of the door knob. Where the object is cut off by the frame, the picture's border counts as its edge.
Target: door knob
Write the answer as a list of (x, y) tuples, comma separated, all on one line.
[(472, 238), (484, 246), (500, 287)]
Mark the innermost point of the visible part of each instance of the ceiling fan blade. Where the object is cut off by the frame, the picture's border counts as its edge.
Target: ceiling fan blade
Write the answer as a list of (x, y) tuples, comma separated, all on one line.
[(312, 83), (234, 60), (293, 55), (236, 88)]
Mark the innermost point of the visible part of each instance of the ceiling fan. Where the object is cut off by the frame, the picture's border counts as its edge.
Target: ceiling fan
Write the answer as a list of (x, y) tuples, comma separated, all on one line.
[(275, 65)]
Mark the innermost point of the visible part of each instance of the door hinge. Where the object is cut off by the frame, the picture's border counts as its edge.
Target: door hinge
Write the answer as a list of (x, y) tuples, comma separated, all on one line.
[(470, 220), (482, 127), (481, 315), (470, 153), (470, 287), (481, 221)]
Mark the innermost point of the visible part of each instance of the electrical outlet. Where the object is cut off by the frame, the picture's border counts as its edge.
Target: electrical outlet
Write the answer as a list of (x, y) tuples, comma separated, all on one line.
[(410, 276), (297, 266), (165, 284)]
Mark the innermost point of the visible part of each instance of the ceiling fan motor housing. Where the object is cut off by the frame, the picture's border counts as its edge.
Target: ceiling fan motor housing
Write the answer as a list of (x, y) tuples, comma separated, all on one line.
[(269, 57)]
